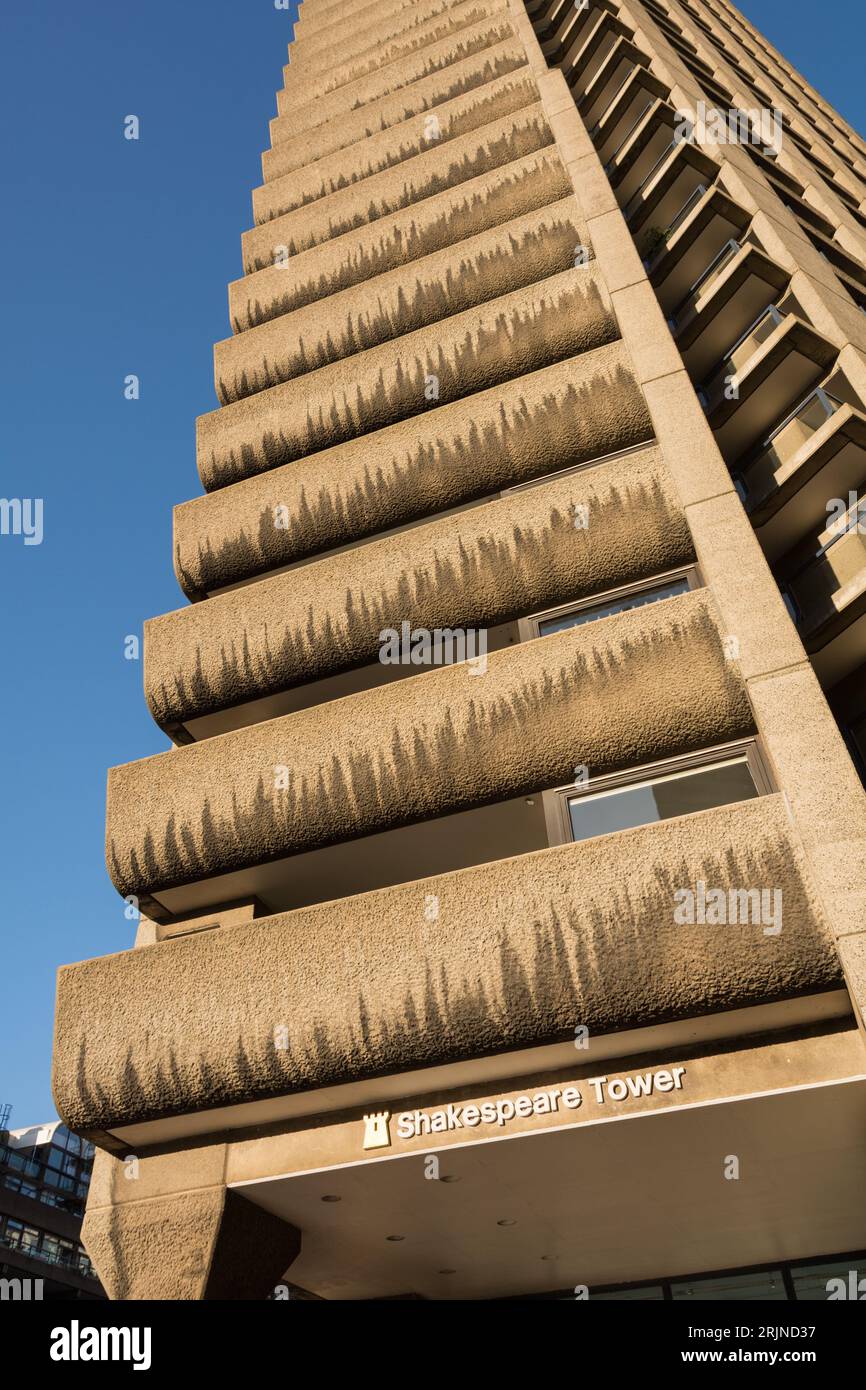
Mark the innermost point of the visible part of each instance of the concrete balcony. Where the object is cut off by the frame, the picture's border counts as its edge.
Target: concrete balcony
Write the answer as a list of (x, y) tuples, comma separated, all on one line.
[(523, 251), (356, 257), (556, 418), (302, 637), (680, 171), (567, 314), (384, 36), (640, 150), (778, 369), (559, 24), (604, 84), (817, 452), (717, 319), (429, 167), (631, 99), (584, 57), (700, 232), (353, 208), (309, 78), (315, 108), (181, 1037), (829, 593), (563, 29), (244, 815), (498, 76), (315, 20), (479, 119)]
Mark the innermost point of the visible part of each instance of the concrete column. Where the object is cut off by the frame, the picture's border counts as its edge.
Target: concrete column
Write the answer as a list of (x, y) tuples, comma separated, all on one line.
[(152, 1242)]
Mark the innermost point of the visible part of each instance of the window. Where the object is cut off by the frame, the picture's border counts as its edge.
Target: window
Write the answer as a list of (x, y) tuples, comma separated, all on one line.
[(12, 1233), (768, 1287), (811, 1281), (654, 1293), (644, 796), (616, 601), (30, 1238)]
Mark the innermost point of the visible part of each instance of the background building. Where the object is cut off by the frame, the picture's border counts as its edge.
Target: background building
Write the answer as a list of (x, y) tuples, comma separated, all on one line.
[(44, 1181), (542, 968)]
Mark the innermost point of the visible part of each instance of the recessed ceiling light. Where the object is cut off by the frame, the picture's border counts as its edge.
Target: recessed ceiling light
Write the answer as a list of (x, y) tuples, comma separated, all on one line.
[(530, 801), (506, 1221), (448, 1271), (331, 1198), (395, 1237), (449, 1177)]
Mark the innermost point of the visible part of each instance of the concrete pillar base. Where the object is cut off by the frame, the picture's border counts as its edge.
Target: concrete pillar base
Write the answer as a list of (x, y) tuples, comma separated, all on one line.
[(209, 1244)]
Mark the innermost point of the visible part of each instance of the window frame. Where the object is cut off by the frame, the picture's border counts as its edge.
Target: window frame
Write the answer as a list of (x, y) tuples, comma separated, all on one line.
[(529, 626), (555, 801)]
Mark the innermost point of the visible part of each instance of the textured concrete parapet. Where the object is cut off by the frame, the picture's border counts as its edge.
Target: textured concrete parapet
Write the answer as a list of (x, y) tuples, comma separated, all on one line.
[(391, 41), (524, 251), (485, 566), (308, 111), (468, 352), (481, 97), (497, 68), (551, 419), (378, 21), (611, 694), (404, 165), (523, 950), (458, 166), (288, 281), (314, 19)]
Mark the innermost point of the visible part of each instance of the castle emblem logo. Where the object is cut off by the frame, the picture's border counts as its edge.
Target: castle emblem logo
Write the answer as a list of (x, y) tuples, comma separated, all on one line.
[(377, 1134)]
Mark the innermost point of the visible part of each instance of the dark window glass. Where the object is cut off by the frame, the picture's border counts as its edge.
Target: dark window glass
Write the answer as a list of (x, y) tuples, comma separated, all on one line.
[(55, 1158), (698, 789), (578, 616)]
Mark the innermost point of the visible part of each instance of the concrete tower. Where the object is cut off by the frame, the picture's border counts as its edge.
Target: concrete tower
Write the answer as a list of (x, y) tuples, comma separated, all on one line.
[(519, 695)]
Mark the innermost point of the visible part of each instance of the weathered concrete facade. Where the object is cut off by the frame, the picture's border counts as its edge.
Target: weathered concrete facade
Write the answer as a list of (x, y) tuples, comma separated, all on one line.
[(520, 697)]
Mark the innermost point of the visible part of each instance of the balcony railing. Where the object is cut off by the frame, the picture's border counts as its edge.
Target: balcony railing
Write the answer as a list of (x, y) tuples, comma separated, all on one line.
[(629, 133), (787, 439), (813, 581), (610, 104), (736, 358), (74, 1260), (710, 273), (679, 217), (635, 200)]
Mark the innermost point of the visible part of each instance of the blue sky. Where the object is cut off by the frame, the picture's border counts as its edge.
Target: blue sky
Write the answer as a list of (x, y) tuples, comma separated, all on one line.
[(116, 258)]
